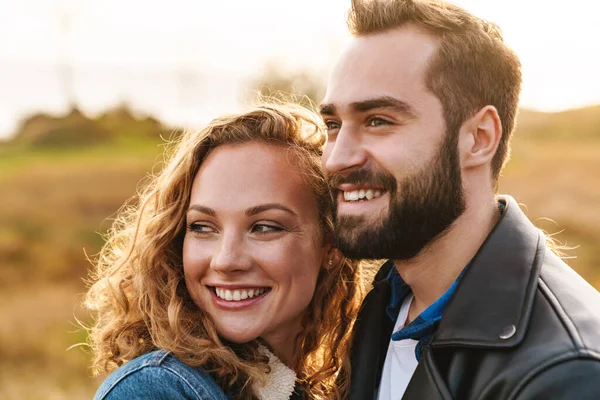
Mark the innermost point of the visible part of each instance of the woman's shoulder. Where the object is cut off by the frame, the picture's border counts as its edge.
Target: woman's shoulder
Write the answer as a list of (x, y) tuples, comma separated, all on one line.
[(158, 375)]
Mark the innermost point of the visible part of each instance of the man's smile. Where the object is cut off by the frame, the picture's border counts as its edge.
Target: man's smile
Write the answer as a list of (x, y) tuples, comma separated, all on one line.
[(361, 194)]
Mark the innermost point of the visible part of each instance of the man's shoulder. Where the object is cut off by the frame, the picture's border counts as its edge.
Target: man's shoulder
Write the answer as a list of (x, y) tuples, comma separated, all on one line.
[(572, 301), (559, 356), (158, 375), (566, 379)]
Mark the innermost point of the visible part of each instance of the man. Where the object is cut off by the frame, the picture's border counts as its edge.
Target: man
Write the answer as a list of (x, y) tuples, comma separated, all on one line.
[(473, 303)]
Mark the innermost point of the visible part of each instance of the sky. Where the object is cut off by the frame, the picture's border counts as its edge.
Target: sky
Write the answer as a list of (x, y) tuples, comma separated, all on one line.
[(185, 61)]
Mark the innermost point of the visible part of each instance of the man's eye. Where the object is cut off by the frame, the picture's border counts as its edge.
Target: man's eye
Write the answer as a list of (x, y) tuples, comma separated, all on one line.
[(332, 125), (374, 122), (265, 228)]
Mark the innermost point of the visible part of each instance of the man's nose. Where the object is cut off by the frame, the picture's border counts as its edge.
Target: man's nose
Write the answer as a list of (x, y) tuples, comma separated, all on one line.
[(231, 255), (345, 153)]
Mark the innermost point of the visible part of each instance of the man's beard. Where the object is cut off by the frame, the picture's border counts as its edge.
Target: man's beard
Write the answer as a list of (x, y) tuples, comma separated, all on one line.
[(422, 210)]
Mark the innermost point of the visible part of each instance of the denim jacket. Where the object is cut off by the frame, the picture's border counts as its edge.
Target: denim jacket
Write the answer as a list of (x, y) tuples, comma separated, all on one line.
[(159, 376)]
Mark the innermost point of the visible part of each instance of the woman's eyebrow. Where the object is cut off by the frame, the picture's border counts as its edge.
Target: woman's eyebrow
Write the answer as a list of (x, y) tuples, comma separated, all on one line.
[(202, 209), (270, 206)]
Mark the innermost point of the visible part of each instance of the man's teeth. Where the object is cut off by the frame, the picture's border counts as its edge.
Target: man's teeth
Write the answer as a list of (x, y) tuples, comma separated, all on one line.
[(238, 294), (356, 195)]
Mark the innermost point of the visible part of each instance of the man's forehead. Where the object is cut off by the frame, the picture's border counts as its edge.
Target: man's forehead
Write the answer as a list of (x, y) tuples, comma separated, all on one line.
[(407, 38), (391, 63)]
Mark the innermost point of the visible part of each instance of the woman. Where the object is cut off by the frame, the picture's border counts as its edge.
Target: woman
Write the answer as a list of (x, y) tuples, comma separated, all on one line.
[(222, 282)]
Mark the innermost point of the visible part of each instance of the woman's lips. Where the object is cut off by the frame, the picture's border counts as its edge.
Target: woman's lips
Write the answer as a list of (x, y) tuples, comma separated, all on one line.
[(235, 299)]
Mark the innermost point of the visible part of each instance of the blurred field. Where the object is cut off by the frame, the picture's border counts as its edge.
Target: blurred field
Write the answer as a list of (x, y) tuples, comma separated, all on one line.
[(55, 199)]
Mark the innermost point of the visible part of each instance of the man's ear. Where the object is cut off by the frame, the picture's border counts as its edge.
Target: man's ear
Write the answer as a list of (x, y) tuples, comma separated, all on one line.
[(479, 138)]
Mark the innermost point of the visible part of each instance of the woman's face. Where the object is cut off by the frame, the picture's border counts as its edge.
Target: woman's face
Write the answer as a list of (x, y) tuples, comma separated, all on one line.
[(253, 246)]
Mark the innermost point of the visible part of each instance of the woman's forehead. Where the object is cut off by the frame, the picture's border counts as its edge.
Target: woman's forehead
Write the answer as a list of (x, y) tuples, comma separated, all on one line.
[(246, 175)]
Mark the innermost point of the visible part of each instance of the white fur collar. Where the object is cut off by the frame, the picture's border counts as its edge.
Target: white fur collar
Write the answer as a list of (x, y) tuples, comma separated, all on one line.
[(280, 381)]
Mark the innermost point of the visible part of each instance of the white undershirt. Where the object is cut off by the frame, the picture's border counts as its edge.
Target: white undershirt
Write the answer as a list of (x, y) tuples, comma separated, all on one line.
[(400, 361)]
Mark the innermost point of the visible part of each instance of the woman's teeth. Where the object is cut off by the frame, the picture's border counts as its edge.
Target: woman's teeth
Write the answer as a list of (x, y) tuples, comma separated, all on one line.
[(357, 195), (238, 294)]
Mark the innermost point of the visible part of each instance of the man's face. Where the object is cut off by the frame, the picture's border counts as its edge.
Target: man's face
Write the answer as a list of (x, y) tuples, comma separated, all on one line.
[(392, 164)]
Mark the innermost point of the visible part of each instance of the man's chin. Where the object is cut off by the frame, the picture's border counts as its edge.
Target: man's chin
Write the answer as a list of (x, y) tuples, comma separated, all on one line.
[(354, 235), (356, 224), (357, 248)]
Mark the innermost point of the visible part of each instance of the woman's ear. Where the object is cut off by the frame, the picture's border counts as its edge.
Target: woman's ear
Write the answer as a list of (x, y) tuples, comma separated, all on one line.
[(333, 257), (479, 138)]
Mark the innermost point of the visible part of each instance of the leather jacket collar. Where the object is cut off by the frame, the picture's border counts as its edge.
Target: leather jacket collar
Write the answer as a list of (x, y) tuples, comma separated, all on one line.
[(504, 271)]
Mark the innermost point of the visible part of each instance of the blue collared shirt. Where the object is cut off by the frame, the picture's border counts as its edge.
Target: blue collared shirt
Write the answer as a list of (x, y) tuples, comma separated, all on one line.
[(424, 326)]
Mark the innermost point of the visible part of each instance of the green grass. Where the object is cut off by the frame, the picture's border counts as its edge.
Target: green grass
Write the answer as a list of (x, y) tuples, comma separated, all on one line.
[(14, 159)]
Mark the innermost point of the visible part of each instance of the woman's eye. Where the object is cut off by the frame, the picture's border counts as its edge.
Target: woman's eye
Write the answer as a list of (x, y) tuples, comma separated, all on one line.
[(200, 228), (374, 122), (266, 228)]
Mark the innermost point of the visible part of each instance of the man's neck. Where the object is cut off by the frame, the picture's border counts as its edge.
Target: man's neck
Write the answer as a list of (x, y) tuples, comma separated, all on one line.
[(435, 269)]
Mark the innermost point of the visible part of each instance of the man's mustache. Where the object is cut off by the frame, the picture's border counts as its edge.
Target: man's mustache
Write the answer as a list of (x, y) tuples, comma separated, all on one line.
[(364, 177)]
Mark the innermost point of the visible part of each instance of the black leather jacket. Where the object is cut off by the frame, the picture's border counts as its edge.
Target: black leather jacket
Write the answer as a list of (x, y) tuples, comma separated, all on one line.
[(521, 325)]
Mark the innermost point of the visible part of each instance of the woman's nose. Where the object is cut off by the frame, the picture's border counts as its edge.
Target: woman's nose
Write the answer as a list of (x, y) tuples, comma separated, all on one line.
[(231, 255)]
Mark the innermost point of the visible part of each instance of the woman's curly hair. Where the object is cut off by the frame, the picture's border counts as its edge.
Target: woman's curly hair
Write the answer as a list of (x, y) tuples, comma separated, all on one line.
[(138, 290)]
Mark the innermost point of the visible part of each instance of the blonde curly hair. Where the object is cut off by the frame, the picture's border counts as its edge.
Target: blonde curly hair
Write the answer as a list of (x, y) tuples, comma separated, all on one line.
[(138, 291)]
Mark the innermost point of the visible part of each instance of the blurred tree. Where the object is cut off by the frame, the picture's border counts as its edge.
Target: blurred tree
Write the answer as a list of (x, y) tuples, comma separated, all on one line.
[(121, 121), (73, 129), (118, 125)]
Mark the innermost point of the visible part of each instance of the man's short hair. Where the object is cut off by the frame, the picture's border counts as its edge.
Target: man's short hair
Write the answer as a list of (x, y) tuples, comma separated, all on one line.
[(472, 68)]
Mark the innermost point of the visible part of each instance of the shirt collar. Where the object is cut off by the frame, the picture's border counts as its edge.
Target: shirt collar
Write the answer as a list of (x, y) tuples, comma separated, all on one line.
[(424, 326)]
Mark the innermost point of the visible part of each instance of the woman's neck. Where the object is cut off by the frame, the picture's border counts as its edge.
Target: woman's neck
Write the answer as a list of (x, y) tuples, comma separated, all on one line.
[(283, 344)]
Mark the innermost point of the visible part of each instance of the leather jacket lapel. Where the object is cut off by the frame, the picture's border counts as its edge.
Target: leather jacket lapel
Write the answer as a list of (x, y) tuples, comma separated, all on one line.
[(372, 333), (426, 382)]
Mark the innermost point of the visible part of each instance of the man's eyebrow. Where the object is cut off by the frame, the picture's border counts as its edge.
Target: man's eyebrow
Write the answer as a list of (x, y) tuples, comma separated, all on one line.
[(383, 102), (264, 207), (202, 209), (327, 109)]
